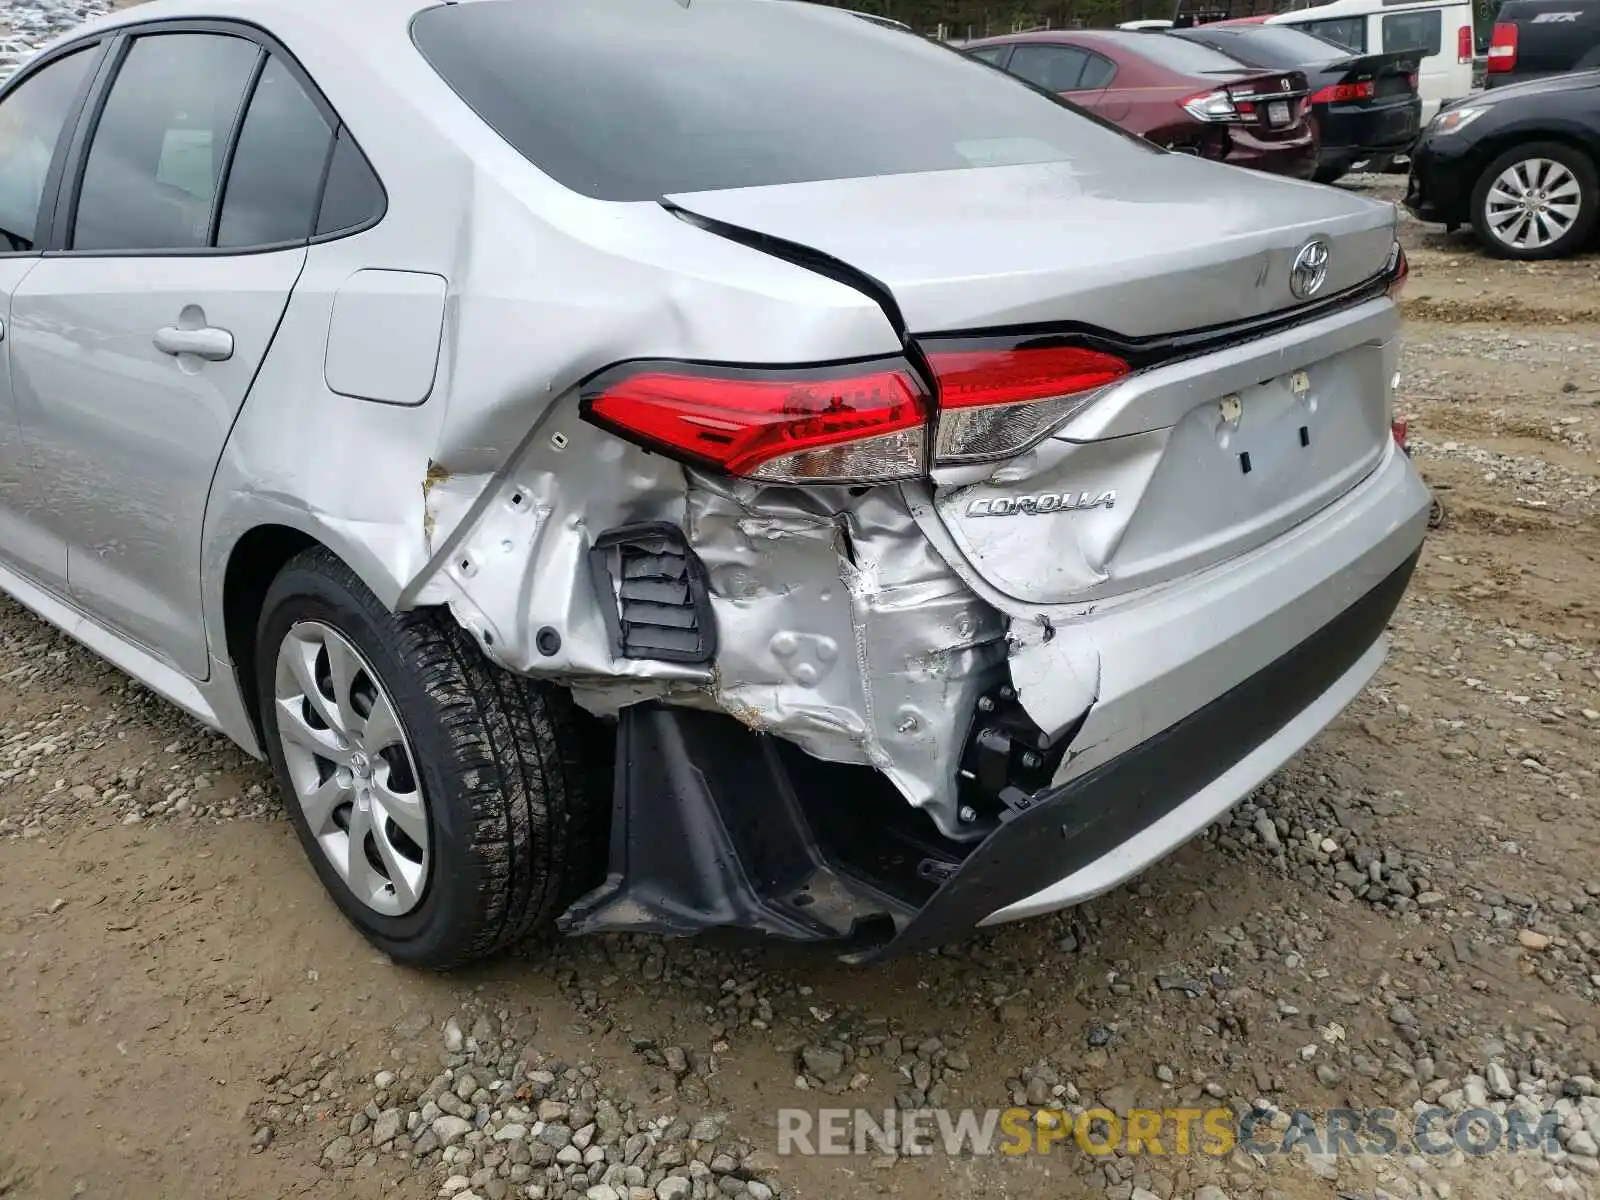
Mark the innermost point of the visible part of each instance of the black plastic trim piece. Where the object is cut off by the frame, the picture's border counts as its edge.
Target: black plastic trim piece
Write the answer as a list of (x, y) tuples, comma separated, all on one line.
[(707, 831), (231, 151), (654, 594)]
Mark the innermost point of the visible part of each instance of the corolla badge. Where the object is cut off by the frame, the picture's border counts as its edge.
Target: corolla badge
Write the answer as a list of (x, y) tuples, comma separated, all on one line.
[(1310, 270), (1043, 502)]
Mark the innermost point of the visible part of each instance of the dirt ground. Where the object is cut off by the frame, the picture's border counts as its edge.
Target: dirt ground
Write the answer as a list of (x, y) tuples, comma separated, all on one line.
[(1408, 911)]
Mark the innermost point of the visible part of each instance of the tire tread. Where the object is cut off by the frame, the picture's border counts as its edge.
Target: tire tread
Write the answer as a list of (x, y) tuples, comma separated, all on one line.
[(519, 754)]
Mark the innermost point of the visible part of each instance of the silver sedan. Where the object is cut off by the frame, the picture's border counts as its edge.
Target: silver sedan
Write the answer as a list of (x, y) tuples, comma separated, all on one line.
[(649, 465)]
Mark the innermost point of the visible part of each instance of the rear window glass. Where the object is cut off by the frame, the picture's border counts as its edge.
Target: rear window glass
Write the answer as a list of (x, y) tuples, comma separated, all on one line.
[(637, 99), (1184, 57), (1413, 31), (1349, 32), (1274, 48)]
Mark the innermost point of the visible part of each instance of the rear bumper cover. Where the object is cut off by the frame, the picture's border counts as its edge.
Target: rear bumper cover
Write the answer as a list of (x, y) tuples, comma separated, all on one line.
[(1031, 863), (715, 825), (711, 828), (1440, 184)]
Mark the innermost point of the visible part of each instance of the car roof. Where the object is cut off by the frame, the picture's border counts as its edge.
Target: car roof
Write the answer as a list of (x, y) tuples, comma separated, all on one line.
[(1120, 37), (343, 16), (1335, 8)]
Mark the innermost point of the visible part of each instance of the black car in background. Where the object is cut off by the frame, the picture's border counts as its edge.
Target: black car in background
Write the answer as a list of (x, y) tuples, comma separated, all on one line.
[(1518, 163), (1365, 107), (1535, 38)]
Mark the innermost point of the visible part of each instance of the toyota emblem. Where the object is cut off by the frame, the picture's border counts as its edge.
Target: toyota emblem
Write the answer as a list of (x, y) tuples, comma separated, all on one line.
[(1310, 270)]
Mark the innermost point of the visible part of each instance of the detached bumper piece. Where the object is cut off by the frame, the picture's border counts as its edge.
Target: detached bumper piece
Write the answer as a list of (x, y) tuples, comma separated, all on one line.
[(653, 594), (716, 825)]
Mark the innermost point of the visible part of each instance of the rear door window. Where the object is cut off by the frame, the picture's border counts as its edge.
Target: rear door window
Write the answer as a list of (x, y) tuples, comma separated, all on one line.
[(1419, 31), (1098, 72), (632, 100), (994, 55), (150, 180), (352, 198), (277, 168), (1180, 55), (1054, 68), (1349, 32)]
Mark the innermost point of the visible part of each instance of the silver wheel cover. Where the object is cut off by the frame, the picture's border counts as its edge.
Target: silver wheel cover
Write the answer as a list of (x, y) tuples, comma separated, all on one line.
[(352, 768), (1532, 203)]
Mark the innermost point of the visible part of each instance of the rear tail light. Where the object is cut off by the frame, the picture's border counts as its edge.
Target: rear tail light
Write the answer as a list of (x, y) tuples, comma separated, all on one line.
[(1341, 93), (865, 423), (998, 402), (1464, 44), (1402, 434), (1503, 48), (1411, 81), (1397, 270), (1216, 105)]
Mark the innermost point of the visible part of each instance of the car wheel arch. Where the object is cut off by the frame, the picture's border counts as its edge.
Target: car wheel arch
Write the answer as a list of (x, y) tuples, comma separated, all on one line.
[(1505, 153), (1492, 148), (253, 561)]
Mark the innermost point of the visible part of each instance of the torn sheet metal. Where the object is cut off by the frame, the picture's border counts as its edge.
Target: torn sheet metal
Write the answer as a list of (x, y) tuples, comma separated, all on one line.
[(839, 628)]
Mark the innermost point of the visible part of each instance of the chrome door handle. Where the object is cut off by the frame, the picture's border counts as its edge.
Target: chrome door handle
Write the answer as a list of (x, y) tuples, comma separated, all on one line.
[(214, 345)]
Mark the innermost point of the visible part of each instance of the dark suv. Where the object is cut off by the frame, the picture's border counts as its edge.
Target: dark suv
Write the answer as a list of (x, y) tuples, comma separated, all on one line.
[(1532, 38)]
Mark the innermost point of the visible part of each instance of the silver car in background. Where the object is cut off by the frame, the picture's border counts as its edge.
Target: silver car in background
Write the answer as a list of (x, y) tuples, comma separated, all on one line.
[(651, 466)]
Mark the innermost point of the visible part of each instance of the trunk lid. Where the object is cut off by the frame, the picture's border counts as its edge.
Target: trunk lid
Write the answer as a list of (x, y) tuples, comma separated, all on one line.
[(1391, 74), (1176, 466), (1170, 245)]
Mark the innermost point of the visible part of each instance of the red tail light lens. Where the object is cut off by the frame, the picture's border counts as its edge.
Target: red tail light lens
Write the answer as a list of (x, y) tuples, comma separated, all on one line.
[(862, 424), (1503, 48), (1411, 81), (1342, 93), (994, 402), (848, 425), (1464, 44), (1402, 434)]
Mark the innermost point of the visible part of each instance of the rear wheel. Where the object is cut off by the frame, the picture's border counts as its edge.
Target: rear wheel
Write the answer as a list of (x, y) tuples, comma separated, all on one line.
[(449, 808), (1538, 200)]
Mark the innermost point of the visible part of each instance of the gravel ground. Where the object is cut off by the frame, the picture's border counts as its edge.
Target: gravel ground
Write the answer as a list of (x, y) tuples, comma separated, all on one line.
[(1406, 916)]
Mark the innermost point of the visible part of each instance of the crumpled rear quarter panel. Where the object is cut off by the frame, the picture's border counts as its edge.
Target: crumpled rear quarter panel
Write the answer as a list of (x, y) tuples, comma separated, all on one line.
[(839, 628)]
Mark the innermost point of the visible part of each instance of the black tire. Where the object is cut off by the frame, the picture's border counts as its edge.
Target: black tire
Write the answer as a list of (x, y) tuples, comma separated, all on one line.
[(1582, 228), (512, 773), (1330, 172)]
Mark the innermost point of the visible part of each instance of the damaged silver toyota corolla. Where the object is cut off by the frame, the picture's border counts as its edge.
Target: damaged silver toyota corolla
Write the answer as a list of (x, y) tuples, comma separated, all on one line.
[(653, 465)]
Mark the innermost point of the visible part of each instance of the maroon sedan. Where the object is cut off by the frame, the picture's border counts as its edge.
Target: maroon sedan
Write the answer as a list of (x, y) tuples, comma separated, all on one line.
[(1177, 93)]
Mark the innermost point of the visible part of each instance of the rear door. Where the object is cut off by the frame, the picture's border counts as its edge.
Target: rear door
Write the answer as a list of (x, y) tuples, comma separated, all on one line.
[(185, 228)]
